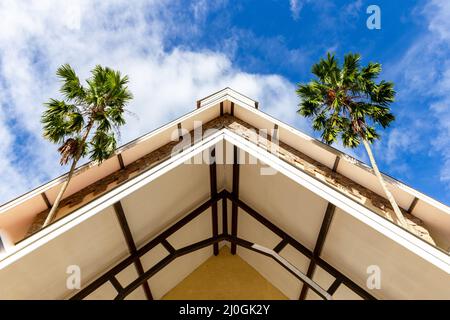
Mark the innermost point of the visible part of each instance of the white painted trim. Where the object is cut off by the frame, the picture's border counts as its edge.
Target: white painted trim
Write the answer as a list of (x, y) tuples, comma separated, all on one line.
[(390, 230), (363, 214), (375, 221), (227, 94), (394, 182), (312, 284), (97, 205), (241, 101), (36, 192)]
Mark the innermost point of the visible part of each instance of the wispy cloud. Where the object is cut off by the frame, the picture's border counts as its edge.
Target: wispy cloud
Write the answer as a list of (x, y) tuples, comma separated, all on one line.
[(38, 36), (353, 9), (295, 6), (424, 75)]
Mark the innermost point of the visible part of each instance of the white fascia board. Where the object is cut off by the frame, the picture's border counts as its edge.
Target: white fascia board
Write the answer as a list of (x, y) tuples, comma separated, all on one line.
[(227, 94), (370, 218), (387, 228), (10, 204), (241, 101), (394, 182), (97, 205)]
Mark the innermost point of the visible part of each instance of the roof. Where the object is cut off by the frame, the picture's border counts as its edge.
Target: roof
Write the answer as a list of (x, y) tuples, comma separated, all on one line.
[(311, 177)]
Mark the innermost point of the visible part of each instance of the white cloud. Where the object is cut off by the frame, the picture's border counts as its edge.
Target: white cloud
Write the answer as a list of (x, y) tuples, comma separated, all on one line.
[(295, 7), (353, 9), (38, 36), (438, 12), (424, 71), (398, 140)]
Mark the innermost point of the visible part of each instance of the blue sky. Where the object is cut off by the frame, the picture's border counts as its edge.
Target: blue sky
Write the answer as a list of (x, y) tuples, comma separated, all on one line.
[(178, 51)]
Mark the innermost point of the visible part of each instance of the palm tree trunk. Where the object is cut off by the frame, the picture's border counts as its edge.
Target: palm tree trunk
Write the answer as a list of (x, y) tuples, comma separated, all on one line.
[(54, 209), (55, 206), (400, 218)]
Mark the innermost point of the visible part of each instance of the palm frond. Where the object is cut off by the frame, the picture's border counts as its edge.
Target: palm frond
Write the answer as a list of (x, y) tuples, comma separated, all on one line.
[(103, 145), (347, 100), (100, 107), (71, 87)]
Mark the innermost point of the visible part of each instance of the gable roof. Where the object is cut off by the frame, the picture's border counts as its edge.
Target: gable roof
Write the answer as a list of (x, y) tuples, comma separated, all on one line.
[(326, 172)]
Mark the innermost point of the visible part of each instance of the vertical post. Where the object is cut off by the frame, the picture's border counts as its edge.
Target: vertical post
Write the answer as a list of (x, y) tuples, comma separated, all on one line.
[(413, 205), (319, 245), (120, 158), (213, 185), (180, 131), (47, 202), (329, 213), (235, 195), (131, 245), (224, 215)]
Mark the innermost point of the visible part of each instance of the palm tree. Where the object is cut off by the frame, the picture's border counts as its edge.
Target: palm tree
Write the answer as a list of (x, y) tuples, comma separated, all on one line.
[(347, 101), (86, 121)]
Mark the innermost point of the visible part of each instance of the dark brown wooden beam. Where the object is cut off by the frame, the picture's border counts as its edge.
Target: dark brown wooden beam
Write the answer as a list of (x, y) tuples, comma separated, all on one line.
[(334, 286), (345, 280), (282, 262), (221, 109), (336, 163), (269, 225), (301, 248), (234, 240), (223, 195), (97, 283), (235, 192), (213, 191), (224, 215), (116, 284), (280, 246), (180, 131), (164, 262), (319, 244), (413, 204), (326, 223), (232, 109), (120, 159), (168, 246), (275, 133), (47, 202), (309, 273), (321, 237), (131, 245)]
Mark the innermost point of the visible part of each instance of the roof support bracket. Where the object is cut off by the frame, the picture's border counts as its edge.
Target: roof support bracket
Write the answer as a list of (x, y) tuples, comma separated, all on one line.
[(234, 240), (224, 215), (131, 246), (319, 244), (213, 188), (235, 192)]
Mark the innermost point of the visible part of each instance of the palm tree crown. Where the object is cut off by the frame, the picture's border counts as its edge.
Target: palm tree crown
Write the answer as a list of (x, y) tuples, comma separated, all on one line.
[(346, 100), (87, 120)]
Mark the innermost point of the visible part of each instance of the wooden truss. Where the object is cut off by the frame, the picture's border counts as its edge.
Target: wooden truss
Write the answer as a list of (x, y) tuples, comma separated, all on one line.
[(224, 197)]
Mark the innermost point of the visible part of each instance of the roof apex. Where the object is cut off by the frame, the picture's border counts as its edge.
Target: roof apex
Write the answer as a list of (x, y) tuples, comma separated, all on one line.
[(229, 94)]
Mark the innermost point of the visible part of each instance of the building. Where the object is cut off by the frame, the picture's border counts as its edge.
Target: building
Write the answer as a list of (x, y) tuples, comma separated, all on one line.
[(293, 218)]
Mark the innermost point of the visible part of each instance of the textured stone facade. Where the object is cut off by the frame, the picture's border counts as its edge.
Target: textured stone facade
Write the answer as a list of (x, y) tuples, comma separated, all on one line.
[(285, 152)]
